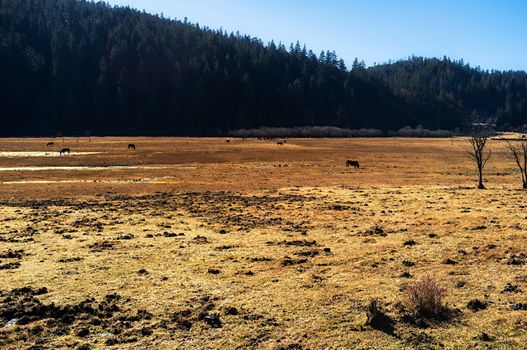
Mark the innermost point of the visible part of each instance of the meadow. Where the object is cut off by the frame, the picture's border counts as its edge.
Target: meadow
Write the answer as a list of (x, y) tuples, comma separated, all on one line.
[(200, 243)]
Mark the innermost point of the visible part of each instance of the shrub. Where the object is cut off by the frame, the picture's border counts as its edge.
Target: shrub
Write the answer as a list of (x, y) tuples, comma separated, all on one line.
[(306, 131), (419, 131), (424, 298)]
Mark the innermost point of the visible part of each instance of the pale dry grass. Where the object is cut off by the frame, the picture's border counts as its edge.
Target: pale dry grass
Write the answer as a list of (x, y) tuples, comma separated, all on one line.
[(271, 262)]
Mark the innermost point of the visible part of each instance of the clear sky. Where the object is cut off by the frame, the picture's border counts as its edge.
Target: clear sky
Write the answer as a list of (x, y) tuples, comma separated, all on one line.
[(488, 33)]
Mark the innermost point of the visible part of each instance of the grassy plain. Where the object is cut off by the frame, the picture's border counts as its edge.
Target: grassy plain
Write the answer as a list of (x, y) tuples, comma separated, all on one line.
[(200, 243)]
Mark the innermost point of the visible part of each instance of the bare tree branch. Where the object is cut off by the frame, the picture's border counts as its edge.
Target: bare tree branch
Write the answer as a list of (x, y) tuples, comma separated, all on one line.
[(518, 150), (488, 157)]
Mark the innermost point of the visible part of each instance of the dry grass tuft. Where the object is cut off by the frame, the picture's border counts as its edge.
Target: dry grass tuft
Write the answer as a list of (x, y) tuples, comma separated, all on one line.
[(425, 298)]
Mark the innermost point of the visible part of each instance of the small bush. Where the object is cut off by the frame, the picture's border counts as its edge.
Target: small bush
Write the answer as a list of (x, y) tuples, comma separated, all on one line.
[(424, 298)]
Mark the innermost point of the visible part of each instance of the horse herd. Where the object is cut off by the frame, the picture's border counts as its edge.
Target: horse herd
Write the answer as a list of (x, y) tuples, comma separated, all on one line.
[(67, 150), (349, 163)]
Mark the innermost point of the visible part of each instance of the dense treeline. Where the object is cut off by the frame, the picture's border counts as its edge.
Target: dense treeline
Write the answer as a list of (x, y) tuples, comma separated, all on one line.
[(70, 67), (458, 90)]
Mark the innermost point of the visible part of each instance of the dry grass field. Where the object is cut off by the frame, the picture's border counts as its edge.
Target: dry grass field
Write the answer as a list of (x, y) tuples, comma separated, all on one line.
[(206, 244)]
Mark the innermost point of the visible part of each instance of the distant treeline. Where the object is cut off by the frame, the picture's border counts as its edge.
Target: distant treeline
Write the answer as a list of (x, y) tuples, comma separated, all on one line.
[(332, 131), (75, 67)]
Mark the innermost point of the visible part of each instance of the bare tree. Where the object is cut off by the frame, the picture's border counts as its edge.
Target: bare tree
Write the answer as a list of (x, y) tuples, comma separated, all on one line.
[(519, 152), (479, 133)]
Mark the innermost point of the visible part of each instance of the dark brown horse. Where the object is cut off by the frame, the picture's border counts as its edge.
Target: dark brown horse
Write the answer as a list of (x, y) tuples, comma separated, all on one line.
[(51, 144), (64, 151), (131, 146), (353, 163)]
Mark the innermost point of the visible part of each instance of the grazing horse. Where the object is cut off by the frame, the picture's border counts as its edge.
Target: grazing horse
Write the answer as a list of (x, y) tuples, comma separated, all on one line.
[(280, 143), (353, 163), (64, 151), (51, 144), (131, 146)]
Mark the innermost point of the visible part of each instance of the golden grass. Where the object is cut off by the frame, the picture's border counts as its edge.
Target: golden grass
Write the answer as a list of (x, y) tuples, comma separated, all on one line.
[(279, 207)]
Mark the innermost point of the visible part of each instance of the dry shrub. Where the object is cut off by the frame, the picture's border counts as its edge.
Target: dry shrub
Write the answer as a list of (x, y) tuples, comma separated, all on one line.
[(424, 298)]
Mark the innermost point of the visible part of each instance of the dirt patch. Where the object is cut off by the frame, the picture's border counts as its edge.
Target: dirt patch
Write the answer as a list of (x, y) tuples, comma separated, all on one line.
[(35, 320)]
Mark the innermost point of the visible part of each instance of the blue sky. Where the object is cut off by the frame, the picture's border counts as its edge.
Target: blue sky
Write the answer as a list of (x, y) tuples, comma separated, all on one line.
[(488, 33)]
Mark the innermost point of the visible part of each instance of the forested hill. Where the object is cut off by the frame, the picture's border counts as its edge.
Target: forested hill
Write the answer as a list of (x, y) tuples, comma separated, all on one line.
[(70, 67)]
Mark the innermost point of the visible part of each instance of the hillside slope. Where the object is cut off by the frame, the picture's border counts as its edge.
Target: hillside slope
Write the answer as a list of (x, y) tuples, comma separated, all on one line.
[(73, 67)]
